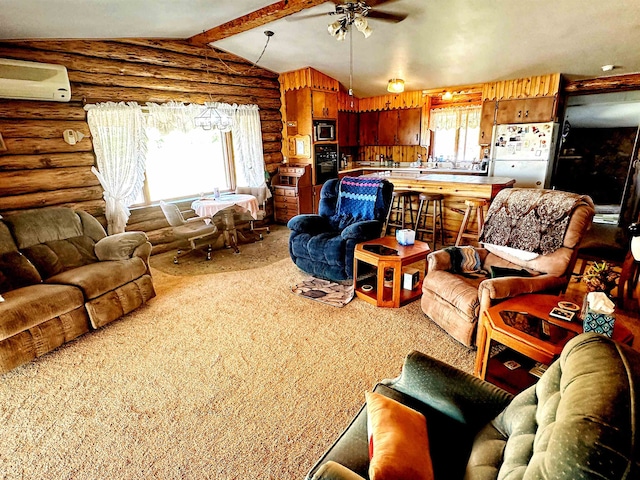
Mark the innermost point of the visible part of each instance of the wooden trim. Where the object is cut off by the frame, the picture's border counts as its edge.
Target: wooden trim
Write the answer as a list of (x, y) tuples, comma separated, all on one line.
[(255, 19), (603, 84)]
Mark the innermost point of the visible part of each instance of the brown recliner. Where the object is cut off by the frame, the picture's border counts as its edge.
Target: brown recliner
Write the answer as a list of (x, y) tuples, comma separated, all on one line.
[(454, 301)]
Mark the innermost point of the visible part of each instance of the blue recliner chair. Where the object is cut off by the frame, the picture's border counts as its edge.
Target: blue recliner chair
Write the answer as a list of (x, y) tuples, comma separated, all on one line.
[(351, 210)]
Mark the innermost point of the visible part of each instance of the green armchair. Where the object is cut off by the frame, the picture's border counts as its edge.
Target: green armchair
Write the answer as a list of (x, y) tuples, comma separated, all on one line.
[(578, 422)]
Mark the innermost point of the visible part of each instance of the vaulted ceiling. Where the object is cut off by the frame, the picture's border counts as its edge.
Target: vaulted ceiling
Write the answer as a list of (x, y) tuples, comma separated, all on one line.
[(441, 43)]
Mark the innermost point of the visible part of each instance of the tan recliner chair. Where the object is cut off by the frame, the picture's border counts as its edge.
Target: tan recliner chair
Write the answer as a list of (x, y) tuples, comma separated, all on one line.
[(454, 301)]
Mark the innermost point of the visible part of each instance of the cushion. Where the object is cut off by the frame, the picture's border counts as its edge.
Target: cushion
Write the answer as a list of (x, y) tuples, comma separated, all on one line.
[(119, 246), (16, 271), (398, 441), (57, 256)]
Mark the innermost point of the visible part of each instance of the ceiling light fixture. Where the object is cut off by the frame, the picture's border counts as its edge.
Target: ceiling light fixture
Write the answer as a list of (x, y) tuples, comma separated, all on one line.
[(395, 85), (447, 95), (607, 68), (354, 15)]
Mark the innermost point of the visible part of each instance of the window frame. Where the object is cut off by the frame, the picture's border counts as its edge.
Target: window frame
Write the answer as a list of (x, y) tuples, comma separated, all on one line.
[(227, 152)]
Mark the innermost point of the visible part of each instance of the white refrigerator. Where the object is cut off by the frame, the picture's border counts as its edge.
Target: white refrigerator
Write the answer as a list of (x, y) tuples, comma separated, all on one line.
[(524, 152)]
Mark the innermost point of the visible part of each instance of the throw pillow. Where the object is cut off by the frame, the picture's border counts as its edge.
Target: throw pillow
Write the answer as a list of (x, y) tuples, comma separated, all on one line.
[(497, 272), (464, 259), (398, 441), (16, 271)]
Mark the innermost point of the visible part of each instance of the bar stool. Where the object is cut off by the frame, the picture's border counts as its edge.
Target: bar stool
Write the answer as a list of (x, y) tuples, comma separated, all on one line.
[(478, 205), (397, 215), (422, 224)]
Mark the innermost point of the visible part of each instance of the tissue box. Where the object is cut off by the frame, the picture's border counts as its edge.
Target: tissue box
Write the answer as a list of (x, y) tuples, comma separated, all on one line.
[(599, 322), (410, 278), (406, 236)]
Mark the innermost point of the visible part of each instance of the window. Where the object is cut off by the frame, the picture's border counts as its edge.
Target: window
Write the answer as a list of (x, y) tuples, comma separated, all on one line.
[(183, 164), (456, 131)]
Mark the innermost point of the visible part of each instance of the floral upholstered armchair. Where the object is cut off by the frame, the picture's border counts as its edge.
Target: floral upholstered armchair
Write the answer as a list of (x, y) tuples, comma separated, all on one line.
[(530, 242)]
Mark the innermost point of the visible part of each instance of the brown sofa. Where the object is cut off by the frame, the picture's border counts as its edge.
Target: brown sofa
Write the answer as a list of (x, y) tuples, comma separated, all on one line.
[(60, 276)]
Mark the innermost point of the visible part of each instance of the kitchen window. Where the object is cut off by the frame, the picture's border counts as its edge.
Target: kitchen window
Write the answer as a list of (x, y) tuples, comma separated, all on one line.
[(455, 134)]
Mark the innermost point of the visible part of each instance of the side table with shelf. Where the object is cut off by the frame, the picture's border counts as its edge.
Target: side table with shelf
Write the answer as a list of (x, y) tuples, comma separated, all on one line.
[(378, 294), (523, 341)]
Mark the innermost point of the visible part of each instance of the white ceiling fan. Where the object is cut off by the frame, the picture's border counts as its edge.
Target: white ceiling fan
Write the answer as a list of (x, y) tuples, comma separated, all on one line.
[(356, 14)]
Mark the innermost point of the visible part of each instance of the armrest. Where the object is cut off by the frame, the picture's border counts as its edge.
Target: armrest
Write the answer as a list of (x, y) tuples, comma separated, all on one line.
[(334, 471), (120, 246), (362, 231), (309, 223), (457, 394), (507, 287)]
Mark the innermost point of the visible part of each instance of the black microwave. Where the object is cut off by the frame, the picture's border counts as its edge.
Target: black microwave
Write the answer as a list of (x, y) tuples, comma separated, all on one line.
[(324, 131)]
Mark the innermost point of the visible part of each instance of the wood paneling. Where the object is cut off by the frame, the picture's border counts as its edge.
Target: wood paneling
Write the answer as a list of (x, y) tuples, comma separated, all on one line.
[(538, 86), (40, 169), (308, 77)]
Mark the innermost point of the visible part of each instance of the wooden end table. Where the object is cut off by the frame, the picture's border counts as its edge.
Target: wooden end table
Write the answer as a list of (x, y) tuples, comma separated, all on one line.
[(379, 295), (522, 347)]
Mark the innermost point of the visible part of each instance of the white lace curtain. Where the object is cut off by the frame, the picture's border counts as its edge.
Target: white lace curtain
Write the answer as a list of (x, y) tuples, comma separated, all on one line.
[(454, 117), (119, 142), (246, 133)]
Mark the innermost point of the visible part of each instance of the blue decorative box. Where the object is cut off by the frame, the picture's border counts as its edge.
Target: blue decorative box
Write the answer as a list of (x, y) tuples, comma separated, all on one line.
[(599, 323)]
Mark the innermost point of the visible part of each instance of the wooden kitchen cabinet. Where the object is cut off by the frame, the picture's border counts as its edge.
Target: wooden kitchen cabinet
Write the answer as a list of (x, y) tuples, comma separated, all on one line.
[(387, 127), (325, 104), (293, 193), (368, 129), (526, 110), (348, 129), (399, 127), (298, 111), (408, 126), (487, 120)]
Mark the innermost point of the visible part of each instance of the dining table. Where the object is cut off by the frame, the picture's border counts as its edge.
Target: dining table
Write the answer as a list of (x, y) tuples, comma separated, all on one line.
[(225, 211), (209, 206)]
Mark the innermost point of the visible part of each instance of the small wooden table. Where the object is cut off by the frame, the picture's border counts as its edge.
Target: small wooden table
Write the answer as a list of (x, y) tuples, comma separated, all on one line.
[(533, 346), (394, 296)]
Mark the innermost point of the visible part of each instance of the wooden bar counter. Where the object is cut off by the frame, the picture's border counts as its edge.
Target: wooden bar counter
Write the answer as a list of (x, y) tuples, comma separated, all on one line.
[(455, 189)]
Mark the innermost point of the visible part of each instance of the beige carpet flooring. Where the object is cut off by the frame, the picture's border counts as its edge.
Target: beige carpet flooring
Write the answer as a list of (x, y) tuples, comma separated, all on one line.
[(221, 376)]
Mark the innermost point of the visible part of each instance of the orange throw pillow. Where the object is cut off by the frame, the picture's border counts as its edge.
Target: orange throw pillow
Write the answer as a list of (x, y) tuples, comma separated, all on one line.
[(398, 441)]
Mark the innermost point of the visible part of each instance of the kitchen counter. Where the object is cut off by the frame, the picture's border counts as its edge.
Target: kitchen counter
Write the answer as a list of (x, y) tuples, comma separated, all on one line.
[(454, 188), (363, 168)]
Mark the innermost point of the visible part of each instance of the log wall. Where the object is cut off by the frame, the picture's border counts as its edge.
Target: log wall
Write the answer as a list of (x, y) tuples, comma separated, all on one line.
[(39, 169)]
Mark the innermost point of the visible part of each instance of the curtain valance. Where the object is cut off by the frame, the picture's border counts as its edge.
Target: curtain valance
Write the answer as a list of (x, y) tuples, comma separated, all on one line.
[(455, 117)]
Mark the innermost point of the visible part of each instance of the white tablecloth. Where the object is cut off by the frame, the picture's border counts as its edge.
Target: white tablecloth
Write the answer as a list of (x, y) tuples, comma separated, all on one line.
[(207, 207)]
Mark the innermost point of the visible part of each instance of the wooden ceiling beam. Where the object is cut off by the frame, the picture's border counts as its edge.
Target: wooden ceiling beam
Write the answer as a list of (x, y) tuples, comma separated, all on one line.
[(260, 17)]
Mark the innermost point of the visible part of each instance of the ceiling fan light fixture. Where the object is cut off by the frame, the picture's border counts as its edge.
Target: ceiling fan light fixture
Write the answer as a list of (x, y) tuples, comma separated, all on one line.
[(362, 25), (334, 28), (341, 35), (395, 85)]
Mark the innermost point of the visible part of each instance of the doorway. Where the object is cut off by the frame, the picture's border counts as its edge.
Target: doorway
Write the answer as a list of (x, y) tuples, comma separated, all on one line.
[(598, 152)]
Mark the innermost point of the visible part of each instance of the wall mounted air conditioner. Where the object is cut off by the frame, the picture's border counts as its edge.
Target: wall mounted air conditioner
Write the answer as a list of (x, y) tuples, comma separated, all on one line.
[(34, 81)]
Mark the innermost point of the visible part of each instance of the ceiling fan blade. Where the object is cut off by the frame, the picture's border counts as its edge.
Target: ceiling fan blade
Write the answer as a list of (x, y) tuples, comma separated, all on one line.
[(371, 3), (388, 17), (310, 15), (377, 3)]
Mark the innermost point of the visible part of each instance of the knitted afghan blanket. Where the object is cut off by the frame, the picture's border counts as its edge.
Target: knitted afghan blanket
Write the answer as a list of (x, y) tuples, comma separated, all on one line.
[(530, 219), (356, 200)]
